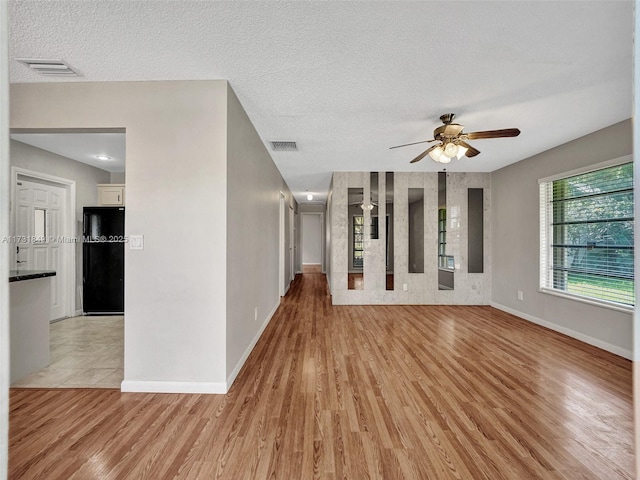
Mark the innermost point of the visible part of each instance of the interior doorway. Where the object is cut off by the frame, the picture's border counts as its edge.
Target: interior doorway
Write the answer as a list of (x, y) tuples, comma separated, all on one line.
[(54, 175), (312, 244)]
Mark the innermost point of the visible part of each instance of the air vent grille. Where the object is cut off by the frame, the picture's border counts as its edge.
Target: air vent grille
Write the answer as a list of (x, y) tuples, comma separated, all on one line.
[(49, 68), (279, 146)]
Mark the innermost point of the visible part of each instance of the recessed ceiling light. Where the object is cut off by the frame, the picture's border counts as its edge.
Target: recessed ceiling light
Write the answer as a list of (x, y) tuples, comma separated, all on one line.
[(103, 157)]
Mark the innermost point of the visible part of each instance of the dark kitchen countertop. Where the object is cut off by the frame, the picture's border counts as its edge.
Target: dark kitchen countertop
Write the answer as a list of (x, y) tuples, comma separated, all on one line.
[(20, 275)]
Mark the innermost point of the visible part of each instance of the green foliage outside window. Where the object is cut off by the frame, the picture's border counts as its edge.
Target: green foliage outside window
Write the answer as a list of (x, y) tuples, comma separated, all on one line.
[(592, 234)]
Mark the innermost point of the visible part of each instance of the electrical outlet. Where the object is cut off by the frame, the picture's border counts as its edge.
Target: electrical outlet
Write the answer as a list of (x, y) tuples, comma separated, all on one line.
[(255, 314), (520, 295), (404, 287)]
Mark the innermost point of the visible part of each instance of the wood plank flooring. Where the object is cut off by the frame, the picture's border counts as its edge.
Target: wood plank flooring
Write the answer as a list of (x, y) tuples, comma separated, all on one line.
[(354, 392)]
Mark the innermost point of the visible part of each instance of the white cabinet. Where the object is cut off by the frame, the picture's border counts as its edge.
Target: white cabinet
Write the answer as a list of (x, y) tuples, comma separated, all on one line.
[(111, 194)]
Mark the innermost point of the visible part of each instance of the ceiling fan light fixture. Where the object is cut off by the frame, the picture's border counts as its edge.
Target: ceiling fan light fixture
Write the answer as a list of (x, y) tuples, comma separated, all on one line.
[(451, 135), (436, 153), (450, 150)]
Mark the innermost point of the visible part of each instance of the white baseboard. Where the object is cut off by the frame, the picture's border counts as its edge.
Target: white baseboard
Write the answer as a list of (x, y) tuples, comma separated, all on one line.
[(145, 386), (78, 313), (622, 352), (232, 376)]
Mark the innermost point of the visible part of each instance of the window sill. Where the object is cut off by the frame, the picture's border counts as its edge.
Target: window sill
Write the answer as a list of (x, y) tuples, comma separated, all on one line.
[(591, 301)]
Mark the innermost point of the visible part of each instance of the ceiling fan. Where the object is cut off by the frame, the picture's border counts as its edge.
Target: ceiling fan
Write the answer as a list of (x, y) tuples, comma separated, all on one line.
[(453, 141), (363, 204)]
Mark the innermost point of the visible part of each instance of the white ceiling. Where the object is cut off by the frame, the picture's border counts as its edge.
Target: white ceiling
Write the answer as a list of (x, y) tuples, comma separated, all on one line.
[(347, 80)]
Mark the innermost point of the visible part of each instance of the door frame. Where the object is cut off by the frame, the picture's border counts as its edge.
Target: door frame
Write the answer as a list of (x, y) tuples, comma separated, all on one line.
[(292, 244), (68, 230), (281, 267)]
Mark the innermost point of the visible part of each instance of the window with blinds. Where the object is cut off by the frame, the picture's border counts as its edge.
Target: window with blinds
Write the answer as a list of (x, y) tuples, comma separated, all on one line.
[(586, 244)]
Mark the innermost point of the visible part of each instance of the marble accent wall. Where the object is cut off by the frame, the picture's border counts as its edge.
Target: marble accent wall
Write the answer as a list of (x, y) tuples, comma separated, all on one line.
[(421, 288)]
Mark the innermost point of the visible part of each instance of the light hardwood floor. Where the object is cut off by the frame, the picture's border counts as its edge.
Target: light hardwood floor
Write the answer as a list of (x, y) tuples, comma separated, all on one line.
[(84, 352), (384, 392)]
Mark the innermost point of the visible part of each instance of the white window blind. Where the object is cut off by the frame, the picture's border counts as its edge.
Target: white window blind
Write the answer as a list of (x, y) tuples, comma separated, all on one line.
[(586, 235)]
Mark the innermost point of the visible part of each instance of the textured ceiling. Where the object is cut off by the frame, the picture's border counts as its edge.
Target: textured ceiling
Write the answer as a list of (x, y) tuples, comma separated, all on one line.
[(347, 80)]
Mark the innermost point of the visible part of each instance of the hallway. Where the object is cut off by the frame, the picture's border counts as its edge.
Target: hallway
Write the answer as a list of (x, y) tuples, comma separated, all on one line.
[(385, 392)]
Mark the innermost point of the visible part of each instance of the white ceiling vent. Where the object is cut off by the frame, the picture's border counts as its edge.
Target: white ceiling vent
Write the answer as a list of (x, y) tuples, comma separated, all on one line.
[(279, 146), (49, 68)]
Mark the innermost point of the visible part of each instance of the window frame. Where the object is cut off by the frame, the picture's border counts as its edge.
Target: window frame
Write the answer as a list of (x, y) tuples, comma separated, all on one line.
[(546, 236)]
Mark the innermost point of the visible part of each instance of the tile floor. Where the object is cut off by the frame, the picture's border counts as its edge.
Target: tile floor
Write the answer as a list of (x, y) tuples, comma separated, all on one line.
[(85, 352)]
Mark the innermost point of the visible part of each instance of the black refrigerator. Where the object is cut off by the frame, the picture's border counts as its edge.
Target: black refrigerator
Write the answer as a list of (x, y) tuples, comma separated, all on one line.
[(103, 260)]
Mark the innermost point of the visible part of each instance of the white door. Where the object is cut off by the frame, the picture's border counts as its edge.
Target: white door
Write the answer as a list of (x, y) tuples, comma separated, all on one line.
[(39, 221), (311, 239)]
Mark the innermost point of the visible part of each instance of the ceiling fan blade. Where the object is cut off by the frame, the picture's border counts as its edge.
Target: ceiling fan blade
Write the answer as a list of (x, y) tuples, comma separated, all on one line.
[(505, 132), (414, 143), (423, 154), (471, 152)]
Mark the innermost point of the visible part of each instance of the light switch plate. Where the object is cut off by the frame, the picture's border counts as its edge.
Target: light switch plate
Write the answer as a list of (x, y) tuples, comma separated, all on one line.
[(136, 242)]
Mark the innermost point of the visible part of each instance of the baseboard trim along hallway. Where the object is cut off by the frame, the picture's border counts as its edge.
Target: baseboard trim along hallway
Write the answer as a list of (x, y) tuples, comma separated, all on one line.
[(146, 386), (628, 354)]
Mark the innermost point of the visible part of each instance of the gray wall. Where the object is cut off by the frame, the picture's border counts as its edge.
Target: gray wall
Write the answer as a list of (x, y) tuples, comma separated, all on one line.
[(515, 246), (117, 177), (85, 176), (4, 247), (252, 266), (636, 317), (175, 289)]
